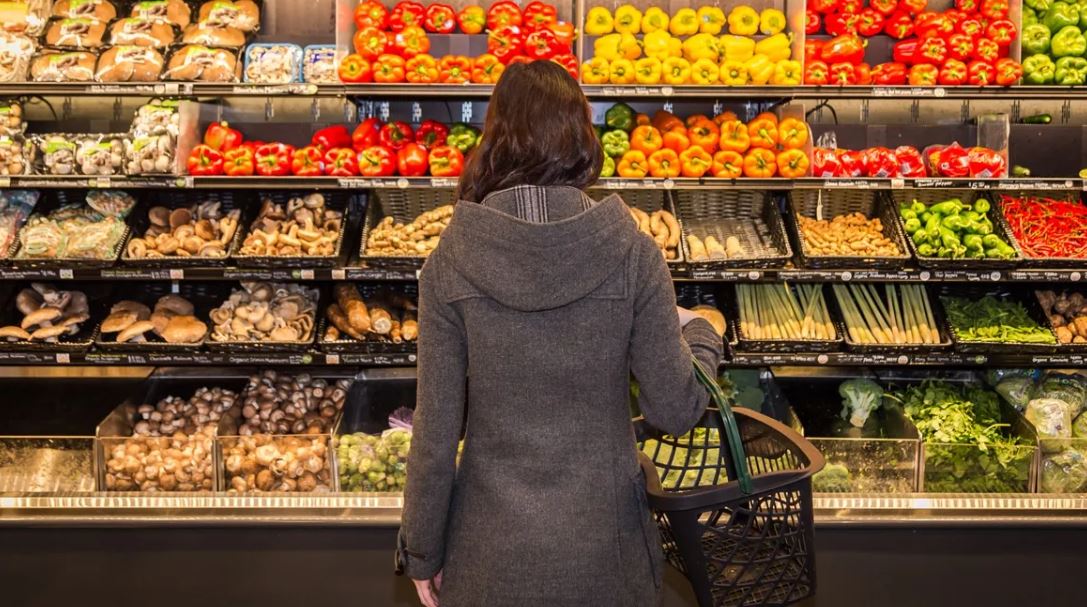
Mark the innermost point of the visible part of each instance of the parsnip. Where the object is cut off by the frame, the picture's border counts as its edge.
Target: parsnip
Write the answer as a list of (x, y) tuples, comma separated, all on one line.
[(347, 295)]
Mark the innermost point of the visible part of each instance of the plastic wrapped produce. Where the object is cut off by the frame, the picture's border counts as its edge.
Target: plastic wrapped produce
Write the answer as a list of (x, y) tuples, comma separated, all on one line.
[(213, 35), (195, 62), (58, 66), (76, 33), (11, 118), (150, 154), (1065, 472), (100, 154), (54, 154), (129, 64), (156, 118), (102, 10), (15, 53), (241, 14), (319, 64), (1016, 390), (1051, 421), (176, 12), (15, 207), (26, 17), (12, 155), (139, 31), (273, 63), (1069, 388), (77, 231)]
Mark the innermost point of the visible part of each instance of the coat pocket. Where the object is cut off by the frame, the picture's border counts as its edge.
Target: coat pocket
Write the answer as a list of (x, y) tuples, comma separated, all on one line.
[(650, 534)]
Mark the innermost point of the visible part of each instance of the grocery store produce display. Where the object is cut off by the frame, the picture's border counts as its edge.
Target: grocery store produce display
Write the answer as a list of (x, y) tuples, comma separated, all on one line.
[(1053, 44)]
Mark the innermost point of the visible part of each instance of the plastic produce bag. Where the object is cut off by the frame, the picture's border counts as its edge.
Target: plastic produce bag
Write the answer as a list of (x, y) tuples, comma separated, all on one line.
[(1070, 389), (100, 154), (15, 53), (15, 207), (1051, 421), (319, 64), (1065, 472), (1016, 390)]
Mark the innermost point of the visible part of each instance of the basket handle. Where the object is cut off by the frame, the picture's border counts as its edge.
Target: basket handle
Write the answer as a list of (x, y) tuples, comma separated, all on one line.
[(728, 423)]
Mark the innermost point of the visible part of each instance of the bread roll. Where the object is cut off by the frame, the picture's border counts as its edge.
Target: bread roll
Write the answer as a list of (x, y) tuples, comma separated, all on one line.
[(79, 33), (142, 32), (200, 63), (713, 316), (53, 66), (174, 11), (129, 64), (102, 10), (210, 35), (242, 14)]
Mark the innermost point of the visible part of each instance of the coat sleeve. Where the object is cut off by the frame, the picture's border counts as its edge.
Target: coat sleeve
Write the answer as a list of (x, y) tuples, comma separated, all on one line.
[(670, 396), (439, 414)]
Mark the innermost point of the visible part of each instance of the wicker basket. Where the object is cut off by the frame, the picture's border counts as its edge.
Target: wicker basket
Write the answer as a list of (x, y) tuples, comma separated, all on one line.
[(896, 349), (403, 206), (1038, 262), (828, 204), (175, 199), (751, 216), (776, 346)]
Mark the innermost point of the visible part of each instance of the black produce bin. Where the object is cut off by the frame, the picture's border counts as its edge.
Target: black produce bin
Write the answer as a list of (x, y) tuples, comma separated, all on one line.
[(1024, 296), (830, 203), (177, 199), (403, 206)]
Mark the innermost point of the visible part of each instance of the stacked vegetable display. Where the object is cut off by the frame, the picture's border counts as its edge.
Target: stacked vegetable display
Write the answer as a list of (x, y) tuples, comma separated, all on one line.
[(392, 46), (701, 47), (1045, 227), (953, 229), (374, 149), (965, 45), (1054, 43), (666, 146)]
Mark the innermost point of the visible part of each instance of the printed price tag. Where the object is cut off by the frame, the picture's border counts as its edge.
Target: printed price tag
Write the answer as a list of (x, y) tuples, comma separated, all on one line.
[(66, 274), (177, 274), (898, 183), (332, 359), (339, 274), (63, 358), (5, 182), (306, 274)]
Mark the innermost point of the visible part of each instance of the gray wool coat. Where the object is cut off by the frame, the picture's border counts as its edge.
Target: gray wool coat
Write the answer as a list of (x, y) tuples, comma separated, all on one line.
[(534, 311)]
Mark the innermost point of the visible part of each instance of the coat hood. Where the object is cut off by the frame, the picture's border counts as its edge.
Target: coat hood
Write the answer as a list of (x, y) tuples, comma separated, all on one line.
[(539, 266)]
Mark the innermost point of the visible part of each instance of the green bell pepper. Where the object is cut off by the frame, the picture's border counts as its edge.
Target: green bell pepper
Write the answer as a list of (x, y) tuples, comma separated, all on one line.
[(1035, 39), (1038, 6), (1071, 71), (1060, 15), (1029, 16), (621, 116), (1038, 69), (608, 169), (1068, 42), (464, 137), (616, 143)]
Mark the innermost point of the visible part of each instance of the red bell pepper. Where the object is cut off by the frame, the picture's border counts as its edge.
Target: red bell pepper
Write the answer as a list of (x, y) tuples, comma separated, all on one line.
[(870, 22), (986, 50), (899, 25), (850, 6), (274, 159), (1008, 71), (503, 13), (341, 162), (440, 19), (825, 163), (852, 163), (813, 50), (985, 163), (923, 75), (238, 162), (537, 15), (411, 160), (335, 136), (252, 146), (431, 134), (377, 161), (486, 69), (843, 49), (889, 74), (406, 14), (371, 13), (863, 72), (445, 161), (366, 134), (472, 19), (994, 9), (812, 22), (221, 137), (968, 6), (960, 47), (354, 69), (371, 43), (953, 73), (505, 43), (880, 162), (948, 160), (839, 23), (885, 7), (933, 27), (910, 162), (410, 41), (971, 27), (905, 51), (205, 160), (955, 16), (542, 44), (913, 6), (395, 135), (823, 7), (454, 69), (816, 73), (306, 162), (843, 73), (932, 50), (568, 61), (1002, 32), (564, 32), (982, 73)]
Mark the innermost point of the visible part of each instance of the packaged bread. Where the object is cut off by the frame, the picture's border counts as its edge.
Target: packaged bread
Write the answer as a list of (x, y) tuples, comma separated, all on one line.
[(15, 53), (240, 14), (195, 62), (176, 12), (213, 35), (273, 63), (59, 66), (140, 31), (129, 64), (319, 64), (76, 33), (26, 17), (102, 10)]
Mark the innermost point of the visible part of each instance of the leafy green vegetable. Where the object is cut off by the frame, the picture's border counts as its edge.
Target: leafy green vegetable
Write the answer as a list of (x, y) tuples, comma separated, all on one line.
[(994, 320), (859, 398), (1064, 473), (833, 478)]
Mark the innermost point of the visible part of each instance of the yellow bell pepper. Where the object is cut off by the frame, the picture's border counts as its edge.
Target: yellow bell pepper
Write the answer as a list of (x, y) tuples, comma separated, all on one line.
[(675, 47), (759, 69), (599, 21), (733, 73), (596, 71), (628, 20), (776, 48), (630, 47), (704, 71), (787, 73), (607, 46), (654, 19), (622, 71), (743, 21), (656, 44), (701, 46), (711, 20), (771, 21), (648, 70), (684, 22), (677, 70), (736, 48)]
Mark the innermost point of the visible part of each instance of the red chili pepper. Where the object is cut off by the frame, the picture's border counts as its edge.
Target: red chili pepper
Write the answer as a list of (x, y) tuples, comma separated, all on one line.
[(205, 160), (335, 136), (306, 162), (377, 161), (341, 162), (982, 73), (502, 14), (395, 135), (1045, 227), (366, 134), (870, 22), (812, 22), (538, 15), (220, 136), (899, 25), (406, 14), (274, 159), (440, 19), (431, 134)]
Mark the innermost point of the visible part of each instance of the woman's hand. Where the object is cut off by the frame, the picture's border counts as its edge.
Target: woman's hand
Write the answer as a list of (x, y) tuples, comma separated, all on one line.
[(685, 316), (428, 590)]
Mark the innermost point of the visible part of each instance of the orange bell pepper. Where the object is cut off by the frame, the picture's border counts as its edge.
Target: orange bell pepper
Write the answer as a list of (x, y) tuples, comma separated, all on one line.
[(665, 121), (677, 139), (726, 116), (734, 137), (793, 133), (693, 119), (633, 164), (695, 161), (792, 163), (664, 163), (421, 69), (641, 119), (646, 139), (760, 163), (727, 165), (705, 135), (763, 133), (486, 69), (772, 117), (454, 69)]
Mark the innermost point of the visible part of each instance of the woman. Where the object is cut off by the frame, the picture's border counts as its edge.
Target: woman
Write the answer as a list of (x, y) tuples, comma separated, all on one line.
[(533, 312)]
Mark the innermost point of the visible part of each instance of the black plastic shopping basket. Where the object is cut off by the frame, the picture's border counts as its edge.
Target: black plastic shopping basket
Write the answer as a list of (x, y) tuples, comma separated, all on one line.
[(733, 501)]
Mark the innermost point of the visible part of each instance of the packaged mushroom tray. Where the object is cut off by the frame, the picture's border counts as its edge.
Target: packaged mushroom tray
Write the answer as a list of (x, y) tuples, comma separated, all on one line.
[(282, 441), (294, 232), (389, 242), (76, 235), (150, 318), (91, 155), (273, 63), (263, 317), (377, 320), (44, 317), (726, 229), (198, 234)]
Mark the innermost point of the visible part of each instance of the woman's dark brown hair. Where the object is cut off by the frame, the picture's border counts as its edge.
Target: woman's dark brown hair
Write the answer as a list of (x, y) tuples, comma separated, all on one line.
[(539, 131)]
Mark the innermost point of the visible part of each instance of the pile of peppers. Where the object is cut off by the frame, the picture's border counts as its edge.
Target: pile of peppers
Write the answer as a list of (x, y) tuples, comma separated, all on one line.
[(1045, 227), (1054, 42)]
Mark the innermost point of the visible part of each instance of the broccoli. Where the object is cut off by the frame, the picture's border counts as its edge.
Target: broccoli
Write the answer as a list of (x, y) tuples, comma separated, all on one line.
[(833, 478), (859, 398)]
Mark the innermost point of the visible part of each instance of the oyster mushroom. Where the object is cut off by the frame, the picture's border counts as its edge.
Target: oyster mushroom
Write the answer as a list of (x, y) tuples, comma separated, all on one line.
[(13, 333), (40, 316)]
